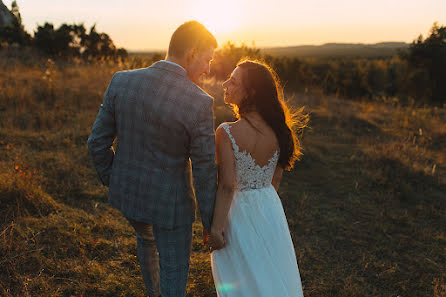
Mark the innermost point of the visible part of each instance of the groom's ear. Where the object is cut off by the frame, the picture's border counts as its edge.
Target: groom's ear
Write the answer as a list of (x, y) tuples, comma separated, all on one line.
[(191, 53)]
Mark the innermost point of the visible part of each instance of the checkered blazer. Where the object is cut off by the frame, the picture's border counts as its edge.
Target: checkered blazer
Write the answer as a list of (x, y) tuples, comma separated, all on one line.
[(163, 124)]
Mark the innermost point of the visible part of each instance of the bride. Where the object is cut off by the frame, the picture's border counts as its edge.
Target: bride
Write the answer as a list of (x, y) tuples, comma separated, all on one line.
[(252, 253)]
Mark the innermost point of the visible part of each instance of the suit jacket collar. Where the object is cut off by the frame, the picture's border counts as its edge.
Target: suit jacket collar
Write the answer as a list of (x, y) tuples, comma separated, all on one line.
[(170, 67)]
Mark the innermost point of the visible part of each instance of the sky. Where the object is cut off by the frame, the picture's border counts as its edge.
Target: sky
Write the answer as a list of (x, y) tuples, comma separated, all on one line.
[(148, 25)]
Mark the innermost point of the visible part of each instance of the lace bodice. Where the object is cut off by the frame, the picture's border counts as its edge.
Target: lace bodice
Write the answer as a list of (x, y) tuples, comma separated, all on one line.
[(249, 174)]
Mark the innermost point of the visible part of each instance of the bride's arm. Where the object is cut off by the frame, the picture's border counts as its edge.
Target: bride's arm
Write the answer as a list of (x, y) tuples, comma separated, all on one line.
[(277, 177), (226, 185)]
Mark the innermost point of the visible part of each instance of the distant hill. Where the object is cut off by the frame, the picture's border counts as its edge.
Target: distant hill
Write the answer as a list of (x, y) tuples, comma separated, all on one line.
[(330, 50)]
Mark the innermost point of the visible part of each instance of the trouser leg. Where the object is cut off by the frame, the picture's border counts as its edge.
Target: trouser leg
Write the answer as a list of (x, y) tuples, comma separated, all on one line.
[(174, 246), (148, 257)]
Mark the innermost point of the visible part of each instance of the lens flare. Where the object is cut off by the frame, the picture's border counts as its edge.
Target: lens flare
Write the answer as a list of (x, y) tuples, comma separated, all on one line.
[(225, 288)]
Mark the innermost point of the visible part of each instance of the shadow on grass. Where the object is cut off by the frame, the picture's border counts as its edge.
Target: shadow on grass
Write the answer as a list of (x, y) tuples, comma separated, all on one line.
[(362, 223)]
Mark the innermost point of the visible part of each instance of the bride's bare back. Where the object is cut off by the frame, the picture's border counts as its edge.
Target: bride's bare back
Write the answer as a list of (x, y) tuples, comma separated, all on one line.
[(252, 136), (256, 138)]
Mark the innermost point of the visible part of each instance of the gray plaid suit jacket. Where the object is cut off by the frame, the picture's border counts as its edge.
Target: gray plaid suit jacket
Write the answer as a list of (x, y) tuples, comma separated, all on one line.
[(163, 124)]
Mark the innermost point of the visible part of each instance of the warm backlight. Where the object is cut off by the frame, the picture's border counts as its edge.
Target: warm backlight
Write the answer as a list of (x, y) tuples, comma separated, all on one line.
[(218, 16)]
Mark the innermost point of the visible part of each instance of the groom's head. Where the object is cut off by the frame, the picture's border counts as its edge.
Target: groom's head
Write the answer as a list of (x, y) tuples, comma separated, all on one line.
[(192, 46)]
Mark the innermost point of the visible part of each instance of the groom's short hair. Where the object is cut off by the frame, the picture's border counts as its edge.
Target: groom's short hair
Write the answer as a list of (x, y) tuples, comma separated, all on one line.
[(189, 35)]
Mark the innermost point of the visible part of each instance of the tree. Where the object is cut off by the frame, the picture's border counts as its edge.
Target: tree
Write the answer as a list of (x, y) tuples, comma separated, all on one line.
[(50, 41), (99, 45), (16, 12), (70, 41), (427, 62), (14, 33)]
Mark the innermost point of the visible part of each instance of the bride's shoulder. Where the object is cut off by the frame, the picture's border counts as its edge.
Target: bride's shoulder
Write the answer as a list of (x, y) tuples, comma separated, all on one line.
[(224, 130), (226, 125)]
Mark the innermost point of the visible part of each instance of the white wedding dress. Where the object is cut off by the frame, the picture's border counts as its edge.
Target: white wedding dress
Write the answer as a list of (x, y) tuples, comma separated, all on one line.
[(259, 257)]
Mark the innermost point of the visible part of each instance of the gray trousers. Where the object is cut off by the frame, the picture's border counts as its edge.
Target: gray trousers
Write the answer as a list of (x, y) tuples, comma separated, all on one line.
[(164, 257)]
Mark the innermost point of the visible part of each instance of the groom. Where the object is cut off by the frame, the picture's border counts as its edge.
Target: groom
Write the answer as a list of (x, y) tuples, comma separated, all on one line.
[(163, 123)]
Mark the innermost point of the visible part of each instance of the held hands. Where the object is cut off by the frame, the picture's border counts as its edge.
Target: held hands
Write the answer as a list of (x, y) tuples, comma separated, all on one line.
[(217, 240)]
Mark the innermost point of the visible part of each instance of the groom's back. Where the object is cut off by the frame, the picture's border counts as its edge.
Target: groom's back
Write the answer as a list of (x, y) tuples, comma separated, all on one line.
[(155, 111), (153, 115)]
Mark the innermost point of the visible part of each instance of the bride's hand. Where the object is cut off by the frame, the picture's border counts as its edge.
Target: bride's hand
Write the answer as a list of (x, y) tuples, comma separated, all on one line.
[(217, 240)]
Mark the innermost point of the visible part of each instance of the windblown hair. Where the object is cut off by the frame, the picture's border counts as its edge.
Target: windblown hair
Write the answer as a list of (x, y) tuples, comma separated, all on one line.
[(191, 34), (265, 96)]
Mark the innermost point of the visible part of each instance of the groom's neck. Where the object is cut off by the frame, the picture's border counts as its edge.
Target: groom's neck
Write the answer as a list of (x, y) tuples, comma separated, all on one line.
[(176, 60)]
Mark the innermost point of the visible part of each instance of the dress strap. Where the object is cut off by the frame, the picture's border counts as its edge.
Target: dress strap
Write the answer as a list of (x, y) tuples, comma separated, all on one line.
[(227, 129)]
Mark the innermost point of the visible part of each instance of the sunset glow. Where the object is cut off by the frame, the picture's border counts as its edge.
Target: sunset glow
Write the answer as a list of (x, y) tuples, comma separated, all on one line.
[(224, 17), (148, 24)]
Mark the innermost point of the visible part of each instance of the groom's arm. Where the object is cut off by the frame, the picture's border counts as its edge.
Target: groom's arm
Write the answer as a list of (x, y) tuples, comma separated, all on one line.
[(204, 169), (102, 136)]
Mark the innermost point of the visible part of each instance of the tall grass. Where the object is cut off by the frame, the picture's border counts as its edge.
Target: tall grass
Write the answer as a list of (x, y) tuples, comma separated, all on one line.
[(366, 205)]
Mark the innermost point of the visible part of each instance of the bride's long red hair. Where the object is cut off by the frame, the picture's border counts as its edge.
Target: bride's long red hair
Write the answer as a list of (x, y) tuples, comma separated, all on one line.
[(265, 96)]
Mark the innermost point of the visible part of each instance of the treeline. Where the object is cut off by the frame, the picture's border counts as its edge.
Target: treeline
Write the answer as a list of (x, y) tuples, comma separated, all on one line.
[(66, 41), (415, 74)]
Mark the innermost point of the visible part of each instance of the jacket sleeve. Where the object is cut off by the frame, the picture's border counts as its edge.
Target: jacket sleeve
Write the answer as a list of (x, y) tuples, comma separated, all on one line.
[(102, 136), (204, 168)]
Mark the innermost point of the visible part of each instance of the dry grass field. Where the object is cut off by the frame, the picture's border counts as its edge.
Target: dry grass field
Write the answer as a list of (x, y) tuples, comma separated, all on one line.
[(366, 205)]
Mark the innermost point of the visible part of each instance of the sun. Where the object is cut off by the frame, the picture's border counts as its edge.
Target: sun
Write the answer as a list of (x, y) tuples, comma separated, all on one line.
[(218, 16)]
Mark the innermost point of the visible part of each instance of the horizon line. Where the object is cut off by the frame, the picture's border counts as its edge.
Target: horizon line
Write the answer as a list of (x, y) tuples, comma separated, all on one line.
[(274, 46)]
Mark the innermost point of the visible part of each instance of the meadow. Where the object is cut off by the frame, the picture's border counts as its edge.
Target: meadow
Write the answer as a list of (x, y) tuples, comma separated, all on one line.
[(366, 205)]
